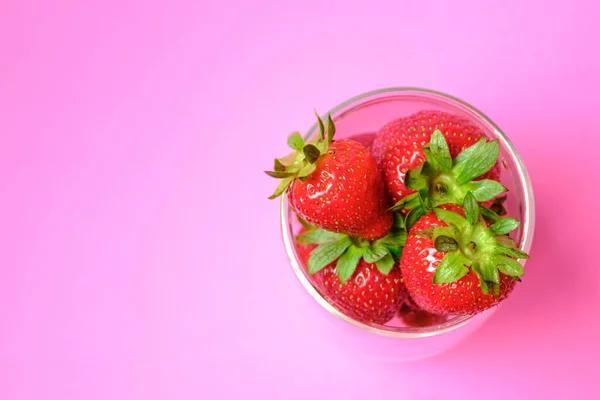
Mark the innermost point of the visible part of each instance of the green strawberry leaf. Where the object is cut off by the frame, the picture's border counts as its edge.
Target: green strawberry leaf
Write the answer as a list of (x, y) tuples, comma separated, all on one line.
[(509, 266), (398, 221), (489, 214), (511, 251), (424, 200), (307, 170), (397, 239), (409, 202), (425, 233), (504, 226), (451, 268), (467, 153), (311, 152), (295, 141), (445, 244), (485, 189), (327, 253), (278, 165), (288, 159), (435, 232), (375, 253), (323, 146), (319, 236), (346, 264), (471, 208), (493, 288), (330, 128), (396, 252), (479, 162), (487, 287), (437, 151), (386, 264), (280, 174), (281, 187), (489, 272), (451, 218), (443, 231), (413, 216), (321, 126), (506, 241), (428, 169), (484, 287), (414, 180)]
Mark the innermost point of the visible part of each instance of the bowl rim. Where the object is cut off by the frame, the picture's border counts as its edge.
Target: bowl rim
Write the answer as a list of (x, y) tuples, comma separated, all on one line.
[(528, 222)]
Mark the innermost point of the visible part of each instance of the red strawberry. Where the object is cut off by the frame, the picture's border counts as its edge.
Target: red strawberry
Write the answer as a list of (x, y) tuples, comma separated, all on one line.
[(360, 278), (414, 316), (401, 146), (335, 185), (368, 296), (345, 193), (457, 265), (366, 139)]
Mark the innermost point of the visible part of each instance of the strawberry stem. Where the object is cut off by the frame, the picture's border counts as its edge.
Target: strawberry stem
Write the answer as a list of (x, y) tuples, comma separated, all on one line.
[(470, 244), (444, 180), (348, 250), (302, 162)]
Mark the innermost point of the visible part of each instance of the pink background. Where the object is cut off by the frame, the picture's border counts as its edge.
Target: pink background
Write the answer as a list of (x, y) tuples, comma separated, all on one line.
[(139, 256)]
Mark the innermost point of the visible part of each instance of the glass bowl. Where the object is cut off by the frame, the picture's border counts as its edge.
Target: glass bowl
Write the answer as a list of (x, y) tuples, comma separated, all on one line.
[(367, 113)]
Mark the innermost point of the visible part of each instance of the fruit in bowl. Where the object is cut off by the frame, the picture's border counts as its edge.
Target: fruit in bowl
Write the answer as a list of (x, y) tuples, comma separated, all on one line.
[(402, 227)]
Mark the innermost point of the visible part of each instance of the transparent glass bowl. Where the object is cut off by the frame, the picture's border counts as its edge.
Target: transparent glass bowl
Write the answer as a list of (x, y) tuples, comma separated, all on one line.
[(368, 113)]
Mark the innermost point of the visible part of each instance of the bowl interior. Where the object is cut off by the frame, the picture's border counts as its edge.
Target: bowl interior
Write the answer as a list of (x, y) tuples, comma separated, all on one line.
[(367, 114)]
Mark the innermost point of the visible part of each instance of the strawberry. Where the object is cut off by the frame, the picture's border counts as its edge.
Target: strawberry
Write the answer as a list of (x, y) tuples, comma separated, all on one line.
[(366, 139), (457, 265), (335, 185), (414, 316), (368, 296), (426, 150), (360, 278)]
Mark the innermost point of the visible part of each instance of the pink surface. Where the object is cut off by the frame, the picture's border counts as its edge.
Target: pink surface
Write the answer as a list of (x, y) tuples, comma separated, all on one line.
[(140, 258)]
